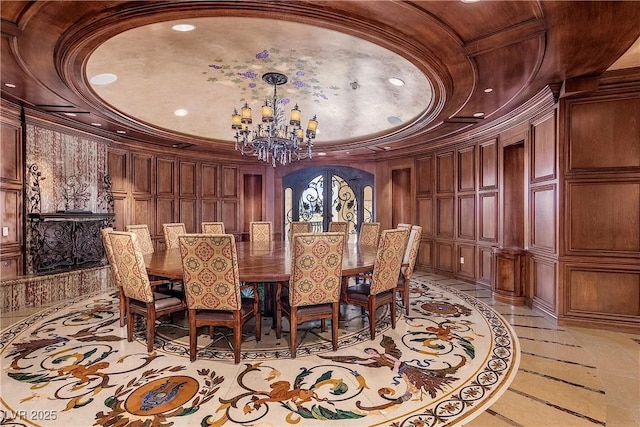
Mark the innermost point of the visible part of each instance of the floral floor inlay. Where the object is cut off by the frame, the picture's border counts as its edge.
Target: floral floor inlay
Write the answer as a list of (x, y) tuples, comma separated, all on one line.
[(71, 365)]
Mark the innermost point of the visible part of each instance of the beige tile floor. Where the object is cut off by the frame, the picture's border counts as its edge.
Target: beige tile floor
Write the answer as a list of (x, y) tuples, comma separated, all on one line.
[(568, 376)]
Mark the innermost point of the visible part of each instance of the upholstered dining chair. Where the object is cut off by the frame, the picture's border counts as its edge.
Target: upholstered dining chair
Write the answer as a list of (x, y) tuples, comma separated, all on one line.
[(314, 284), (408, 265), (144, 237), (404, 225), (260, 231), (212, 288), (171, 232), (108, 250), (299, 227), (139, 296), (369, 234), (212, 227), (380, 290)]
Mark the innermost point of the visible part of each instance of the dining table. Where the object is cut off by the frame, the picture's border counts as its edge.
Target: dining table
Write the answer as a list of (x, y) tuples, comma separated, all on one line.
[(262, 261)]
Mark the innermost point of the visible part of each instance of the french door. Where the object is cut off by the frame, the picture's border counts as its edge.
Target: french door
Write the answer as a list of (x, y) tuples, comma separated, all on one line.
[(322, 194)]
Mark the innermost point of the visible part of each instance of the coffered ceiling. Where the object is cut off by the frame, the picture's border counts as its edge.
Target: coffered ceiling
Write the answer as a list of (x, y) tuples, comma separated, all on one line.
[(462, 65)]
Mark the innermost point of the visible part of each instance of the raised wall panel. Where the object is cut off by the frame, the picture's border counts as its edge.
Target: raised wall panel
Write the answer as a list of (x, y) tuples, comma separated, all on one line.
[(444, 256), (10, 265), (489, 217), (604, 216), (543, 149), (209, 178), (120, 204), (142, 174), (466, 261), (425, 254), (484, 265), (604, 134), (444, 216), (209, 210), (466, 169), (602, 291), (229, 181), (187, 179), (11, 159), (165, 177), (189, 214), (424, 176), (444, 173), (401, 196), (543, 282), (467, 217), (488, 165), (144, 213), (165, 209), (543, 221), (10, 217), (117, 166), (513, 185), (425, 216), (230, 215)]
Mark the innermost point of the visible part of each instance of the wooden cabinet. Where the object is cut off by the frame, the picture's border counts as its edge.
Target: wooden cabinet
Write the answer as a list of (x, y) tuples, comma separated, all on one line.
[(509, 282)]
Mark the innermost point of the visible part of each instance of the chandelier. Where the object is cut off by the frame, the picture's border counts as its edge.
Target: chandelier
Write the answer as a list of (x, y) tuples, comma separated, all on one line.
[(273, 140)]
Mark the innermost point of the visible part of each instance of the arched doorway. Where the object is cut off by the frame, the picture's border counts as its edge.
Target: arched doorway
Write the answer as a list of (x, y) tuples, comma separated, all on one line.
[(322, 194)]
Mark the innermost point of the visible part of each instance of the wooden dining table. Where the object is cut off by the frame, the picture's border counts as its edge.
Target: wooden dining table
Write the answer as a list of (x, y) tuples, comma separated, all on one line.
[(262, 262)]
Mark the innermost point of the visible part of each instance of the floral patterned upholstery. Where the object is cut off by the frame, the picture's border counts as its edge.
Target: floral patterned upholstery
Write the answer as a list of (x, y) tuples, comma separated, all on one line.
[(408, 264), (171, 232), (130, 265), (108, 250), (369, 234), (316, 268), (144, 237), (210, 272), (260, 231), (299, 227), (386, 267), (213, 227), (340, 226)]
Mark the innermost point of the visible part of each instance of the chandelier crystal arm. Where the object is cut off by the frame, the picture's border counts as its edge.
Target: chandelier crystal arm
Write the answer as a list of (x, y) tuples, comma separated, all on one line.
[(273, 141)]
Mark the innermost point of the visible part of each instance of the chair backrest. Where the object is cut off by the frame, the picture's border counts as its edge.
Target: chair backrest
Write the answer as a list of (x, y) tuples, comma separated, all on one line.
[(299, 227), (386, 267), (340, 226), (171, 232), (369, 234), (316, 268), (404, 225), (144, 237), (130, 263), (213, 227), (411, 252), (210, 271), (260, 231), (108, 250)]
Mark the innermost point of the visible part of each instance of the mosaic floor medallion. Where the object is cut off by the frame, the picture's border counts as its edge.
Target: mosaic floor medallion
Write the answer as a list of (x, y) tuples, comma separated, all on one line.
[(445, 363)]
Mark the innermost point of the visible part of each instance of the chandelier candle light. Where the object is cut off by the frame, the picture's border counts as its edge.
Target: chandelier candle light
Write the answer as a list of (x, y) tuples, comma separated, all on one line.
[(273, 141)]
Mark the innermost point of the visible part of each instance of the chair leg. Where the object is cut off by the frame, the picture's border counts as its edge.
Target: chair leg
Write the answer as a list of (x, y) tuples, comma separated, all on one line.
[(257, 315), (334, 325), (129, 322), (193, 335), (211, 331), (279, 311), (151, 326), (323, 325), (237, 339), (293, 325), (372, 317), (405, 296), (122, 306), (393, 310)]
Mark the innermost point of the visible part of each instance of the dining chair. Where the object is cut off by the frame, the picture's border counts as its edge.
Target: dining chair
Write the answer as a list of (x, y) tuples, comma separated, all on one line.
[(404, 225), (212, 288), (314, 284), (408, 264), (299, 227), (108, 250), (171, 232), (260, 231), (144, 237), (139, 296), (213, 227), (369, 233), (380, 289)]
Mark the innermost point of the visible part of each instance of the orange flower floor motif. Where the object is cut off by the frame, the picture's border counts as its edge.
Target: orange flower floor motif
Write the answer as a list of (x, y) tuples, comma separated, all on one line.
[(71, 365)]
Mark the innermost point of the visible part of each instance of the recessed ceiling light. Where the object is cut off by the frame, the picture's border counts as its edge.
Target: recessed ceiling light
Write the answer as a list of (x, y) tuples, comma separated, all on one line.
[(479, 114), (9, 85), (488, 90), (387, 148), (96, 124), (181, 112), (103, 79), (183, 27), (121, 132), (470, 1), (396, 82), (70, 114), (174, 145), (394, 120)]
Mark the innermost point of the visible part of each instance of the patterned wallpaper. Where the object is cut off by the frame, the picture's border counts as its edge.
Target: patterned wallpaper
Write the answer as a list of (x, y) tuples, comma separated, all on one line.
[(71, 168)]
